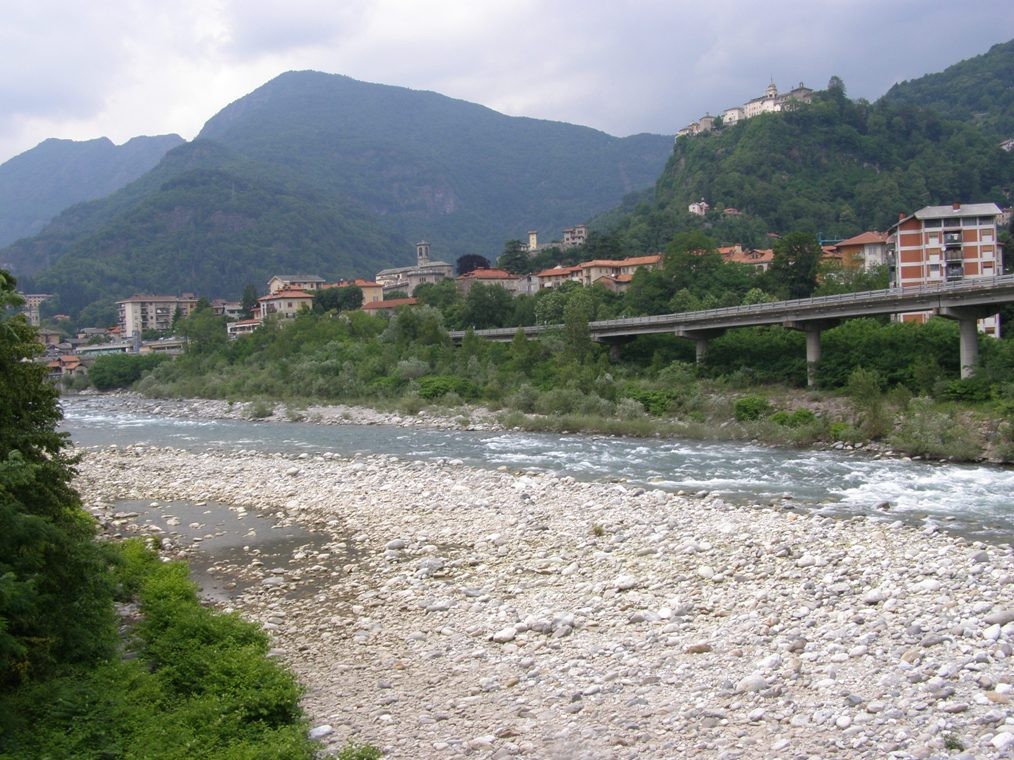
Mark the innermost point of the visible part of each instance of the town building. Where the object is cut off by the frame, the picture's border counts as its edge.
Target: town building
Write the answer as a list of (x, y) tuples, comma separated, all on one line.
[(32, 303), (759, 259), (307, 282), (770, 102), (512, 283), (700, 208), (285, 304), (140, 313), (575, 236), (409, 278), (939, 244), (372, 291), (227, 309), (242, 327), (864, 251), (618, 272)]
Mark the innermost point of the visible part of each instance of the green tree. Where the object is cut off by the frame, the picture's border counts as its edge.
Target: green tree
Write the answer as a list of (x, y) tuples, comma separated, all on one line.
[(578, 312), (55, 601), (248, 302), (487, 306), (347, 298), (204, 330), (793, 270), (514, 258)]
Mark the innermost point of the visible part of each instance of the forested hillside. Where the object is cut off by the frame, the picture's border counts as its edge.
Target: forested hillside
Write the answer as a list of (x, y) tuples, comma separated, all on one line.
[(40, 183), (208, 222), (462, 176), (978, 91), (835, 167), (321, 173)]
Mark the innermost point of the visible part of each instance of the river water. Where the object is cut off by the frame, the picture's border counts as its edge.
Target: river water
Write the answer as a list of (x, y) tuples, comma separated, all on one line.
[(975, 500)]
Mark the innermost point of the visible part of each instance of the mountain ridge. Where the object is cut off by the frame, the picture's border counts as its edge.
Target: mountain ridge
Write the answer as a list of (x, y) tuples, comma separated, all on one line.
[(35, 186)]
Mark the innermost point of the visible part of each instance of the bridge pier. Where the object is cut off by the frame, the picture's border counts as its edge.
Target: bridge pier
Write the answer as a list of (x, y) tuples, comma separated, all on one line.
[(615, 343), (966, 317), (813, 329), (700, 339)]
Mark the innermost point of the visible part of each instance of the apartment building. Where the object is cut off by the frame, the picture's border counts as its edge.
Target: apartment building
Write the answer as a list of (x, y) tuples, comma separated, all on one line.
[(939, 244), (151, 312)]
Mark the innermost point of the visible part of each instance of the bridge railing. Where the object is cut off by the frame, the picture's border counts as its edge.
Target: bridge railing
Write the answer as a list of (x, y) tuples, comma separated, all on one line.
[(862, 297), (870, 297)]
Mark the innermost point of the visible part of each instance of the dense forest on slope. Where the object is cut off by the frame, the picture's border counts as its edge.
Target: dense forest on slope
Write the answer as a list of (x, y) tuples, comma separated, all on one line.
[(215, 223), (462, 176), (978, 91), (38, 184), (835, 167)]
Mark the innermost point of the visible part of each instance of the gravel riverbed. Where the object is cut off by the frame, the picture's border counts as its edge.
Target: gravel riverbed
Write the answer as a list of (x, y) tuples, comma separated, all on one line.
[(449, 611)]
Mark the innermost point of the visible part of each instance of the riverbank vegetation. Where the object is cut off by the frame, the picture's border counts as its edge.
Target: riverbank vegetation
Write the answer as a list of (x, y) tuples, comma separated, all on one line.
[(892, 383), (77, 679)]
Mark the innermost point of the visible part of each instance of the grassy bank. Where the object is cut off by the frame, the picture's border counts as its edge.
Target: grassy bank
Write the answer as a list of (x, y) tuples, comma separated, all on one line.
[(190, 683)]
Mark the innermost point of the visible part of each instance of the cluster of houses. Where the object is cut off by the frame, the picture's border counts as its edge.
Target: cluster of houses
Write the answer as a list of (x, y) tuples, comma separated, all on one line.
[(935, 244), (770, 102)]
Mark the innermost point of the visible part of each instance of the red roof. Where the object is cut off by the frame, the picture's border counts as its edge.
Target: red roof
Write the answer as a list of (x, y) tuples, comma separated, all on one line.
[(753, 256), (483, 273), (286, 294), (558, 271), (865, 238), (389, 304)]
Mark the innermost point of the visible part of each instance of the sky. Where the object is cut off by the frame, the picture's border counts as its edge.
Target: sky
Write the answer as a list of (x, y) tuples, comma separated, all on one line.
[(122, 68)]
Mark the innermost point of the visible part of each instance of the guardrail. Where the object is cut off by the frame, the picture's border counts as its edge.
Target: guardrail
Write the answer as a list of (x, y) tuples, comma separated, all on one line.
[(896, 297)]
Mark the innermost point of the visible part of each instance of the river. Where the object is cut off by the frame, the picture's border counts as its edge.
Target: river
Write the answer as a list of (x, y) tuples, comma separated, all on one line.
[(974, 500)]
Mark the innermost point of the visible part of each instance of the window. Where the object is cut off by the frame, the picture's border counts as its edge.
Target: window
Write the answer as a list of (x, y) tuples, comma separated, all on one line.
[(933, 223)]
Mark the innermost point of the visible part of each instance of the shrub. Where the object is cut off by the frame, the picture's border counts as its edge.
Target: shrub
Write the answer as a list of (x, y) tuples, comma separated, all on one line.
[(523, 399), (927, 430), (628, 408), (970, 389), (751, 408), (122, 370), (260, 409), (796, 419), (435, 386), (556, 401), (655, 402)]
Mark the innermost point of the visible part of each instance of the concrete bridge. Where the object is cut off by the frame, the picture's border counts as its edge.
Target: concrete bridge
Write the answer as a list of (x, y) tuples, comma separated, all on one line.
[(965, 301)]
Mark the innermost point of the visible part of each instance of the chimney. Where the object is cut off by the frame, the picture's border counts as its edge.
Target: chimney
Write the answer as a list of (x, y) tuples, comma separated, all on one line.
[(901, 215), (956, 206)]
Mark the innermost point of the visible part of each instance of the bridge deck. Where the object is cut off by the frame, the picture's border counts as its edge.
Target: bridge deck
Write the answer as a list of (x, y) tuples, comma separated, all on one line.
[(976, 292)]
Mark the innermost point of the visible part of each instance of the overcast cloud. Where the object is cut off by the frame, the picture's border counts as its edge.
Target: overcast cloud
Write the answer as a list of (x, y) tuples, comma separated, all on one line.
[(122, 68)]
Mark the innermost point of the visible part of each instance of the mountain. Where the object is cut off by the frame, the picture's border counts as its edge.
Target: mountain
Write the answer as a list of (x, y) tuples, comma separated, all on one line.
[(322, 173), (978, 90), (38, 184), (204, 220), (458, 174), (834, 167)]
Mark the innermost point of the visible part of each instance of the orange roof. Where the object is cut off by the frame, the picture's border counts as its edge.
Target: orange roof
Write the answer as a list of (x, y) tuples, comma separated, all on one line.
[(392, 303), (753, 256), (558, 271), (286, 294), (483, 273), (359, 282), (865, 238), (637, 261)]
